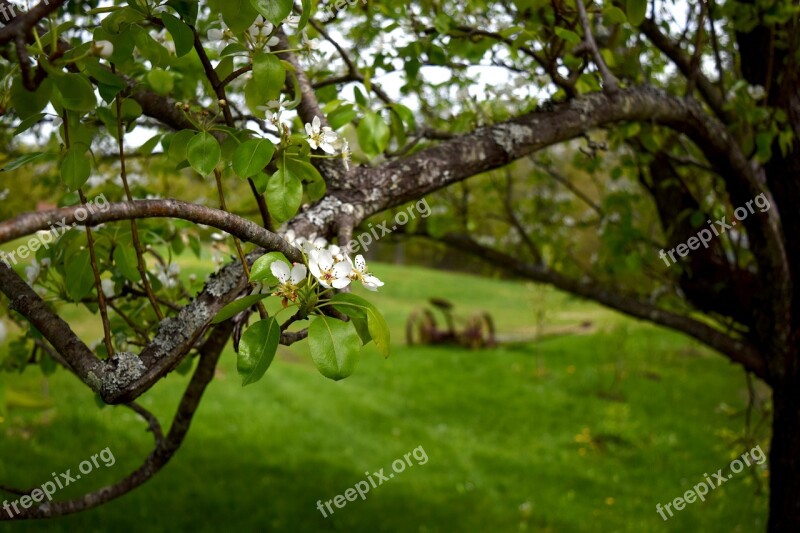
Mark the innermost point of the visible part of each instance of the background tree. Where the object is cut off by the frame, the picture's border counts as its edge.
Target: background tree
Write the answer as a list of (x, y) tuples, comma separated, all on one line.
[(659, 119)]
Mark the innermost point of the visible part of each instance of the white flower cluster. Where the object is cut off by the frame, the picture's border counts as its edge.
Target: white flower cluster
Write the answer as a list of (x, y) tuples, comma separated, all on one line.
[(325, 139), (168, 275), (259, 36), (330, 264), (34, 270)]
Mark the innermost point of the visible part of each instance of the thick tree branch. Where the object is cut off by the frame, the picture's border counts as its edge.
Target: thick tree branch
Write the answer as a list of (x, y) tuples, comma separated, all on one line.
[(711, 93), (738, 350), (126, 376), (22, 23), (165, 446)]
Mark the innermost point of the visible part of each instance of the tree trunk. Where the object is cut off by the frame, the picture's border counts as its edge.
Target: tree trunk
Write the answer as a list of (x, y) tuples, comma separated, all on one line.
[(784, 460)]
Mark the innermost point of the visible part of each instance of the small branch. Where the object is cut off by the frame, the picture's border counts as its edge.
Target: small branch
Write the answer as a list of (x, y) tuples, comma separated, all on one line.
[(290, 337), (219, 90), (22, 24), (610, 83), (262, 311), (165, 446), (150, 418), (101, 297), (354, 73), (137, 244)]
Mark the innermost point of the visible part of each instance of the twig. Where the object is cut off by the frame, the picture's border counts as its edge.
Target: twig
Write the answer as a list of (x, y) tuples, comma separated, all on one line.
[(262, 311), (137, 244), (609, 81), (98, 285)]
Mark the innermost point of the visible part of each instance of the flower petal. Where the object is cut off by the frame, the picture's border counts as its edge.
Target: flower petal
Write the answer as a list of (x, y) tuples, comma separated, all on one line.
[(280, 270), (341, 283), (299, 272), (324, 260), (342, 270), (361, 264), (369, 279)]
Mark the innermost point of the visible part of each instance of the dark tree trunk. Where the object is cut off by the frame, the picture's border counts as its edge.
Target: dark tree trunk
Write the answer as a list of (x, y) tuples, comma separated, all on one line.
[(784, 460)]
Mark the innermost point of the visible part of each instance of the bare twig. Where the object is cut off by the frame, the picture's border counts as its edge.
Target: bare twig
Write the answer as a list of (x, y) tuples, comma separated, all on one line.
[(610, 83)]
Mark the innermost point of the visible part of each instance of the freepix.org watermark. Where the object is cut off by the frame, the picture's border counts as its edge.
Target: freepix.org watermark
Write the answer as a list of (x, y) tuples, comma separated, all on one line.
[(365, 240), (8, 12), (700, 490), (704, 236), (376, 479), (60, 481), (43, 239)]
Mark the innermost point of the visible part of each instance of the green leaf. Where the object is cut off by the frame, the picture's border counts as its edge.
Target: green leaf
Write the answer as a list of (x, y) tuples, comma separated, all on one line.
[(238, 15), (131, 110), (187, 9), (27, 103), (78, 277), (23, 160), (257, 350), (613, 15), (303, 170), (334, 347), (237, 306), (126, 261), (29, 122), (75, 168), (406, 114), (284, 194), (306, 5), (567, 35), (269, 78), (252, 156), (108, 83), (203, 153), (273, 10), (636, 11), (181, 34), (150, 144), (77, 93), (373, 134), (310, 176), (160, 81), (260, 270), (151, 49), (342, 115), (178, 145), (358, 308)]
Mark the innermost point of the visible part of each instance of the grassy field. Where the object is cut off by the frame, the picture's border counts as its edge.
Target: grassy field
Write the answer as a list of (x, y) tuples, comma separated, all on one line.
[(583, 432)]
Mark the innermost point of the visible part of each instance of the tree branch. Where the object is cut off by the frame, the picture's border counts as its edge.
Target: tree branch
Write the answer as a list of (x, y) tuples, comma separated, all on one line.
[(165, 447), (738, 350)]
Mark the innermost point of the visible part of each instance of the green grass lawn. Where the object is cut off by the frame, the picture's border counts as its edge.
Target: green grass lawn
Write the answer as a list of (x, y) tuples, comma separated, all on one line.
[(585, 432)]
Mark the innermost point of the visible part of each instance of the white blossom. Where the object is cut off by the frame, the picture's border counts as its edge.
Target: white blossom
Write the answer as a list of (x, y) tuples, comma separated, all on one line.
[(346, 154), (108, 288), (328, 272), (289, 278), (362, 274), (756, 92), (103, 49), (320, 137), (32, 272)]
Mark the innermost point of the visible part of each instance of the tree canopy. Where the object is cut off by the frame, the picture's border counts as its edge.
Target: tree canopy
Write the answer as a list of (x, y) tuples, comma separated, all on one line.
[(639, 154)]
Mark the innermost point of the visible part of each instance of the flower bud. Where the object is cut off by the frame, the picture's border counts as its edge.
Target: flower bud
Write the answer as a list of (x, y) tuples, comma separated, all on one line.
[(103, 49)]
